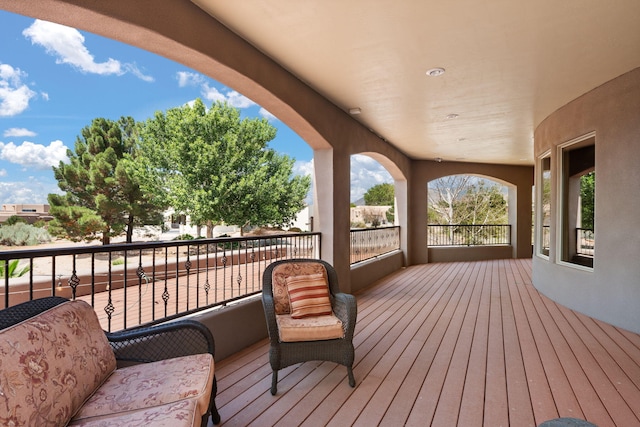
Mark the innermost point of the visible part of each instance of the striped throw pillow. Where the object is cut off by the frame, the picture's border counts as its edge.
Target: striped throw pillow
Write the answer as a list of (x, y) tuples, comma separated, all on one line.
[(308, 295)]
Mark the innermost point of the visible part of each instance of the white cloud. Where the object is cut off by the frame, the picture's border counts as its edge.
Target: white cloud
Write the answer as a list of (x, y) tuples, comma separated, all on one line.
[(3, 172), (67, 45), (303, 167), (20, 132), (212, 94), (14, 94), (232, 97), (267, 115), (27, 192), (44, 96), (38, 156), (239, 101), (186, 78), (133, 69), (365, 173)]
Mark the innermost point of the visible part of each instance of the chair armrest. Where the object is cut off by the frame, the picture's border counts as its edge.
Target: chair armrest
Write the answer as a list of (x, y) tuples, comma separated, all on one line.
[(346, 309), (270, 315), (150, 344)]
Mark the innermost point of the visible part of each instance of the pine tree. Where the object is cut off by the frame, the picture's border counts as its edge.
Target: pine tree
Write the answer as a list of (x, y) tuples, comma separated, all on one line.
[(106, 186)]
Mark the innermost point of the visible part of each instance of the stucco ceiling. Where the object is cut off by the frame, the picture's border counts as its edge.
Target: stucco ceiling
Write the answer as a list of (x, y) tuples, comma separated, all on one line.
[(509, 64)]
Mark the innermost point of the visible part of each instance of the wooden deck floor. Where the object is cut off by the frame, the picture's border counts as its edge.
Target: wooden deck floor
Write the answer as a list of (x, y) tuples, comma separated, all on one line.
[(455, 344)]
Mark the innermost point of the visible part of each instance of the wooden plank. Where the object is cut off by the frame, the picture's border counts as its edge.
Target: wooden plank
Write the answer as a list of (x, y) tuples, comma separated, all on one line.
[(590, 404), (423, 355), (496, 411), (448, 406), (429, 336), (394, 366), (445, 335), (381, 362), (518, 398), (472, 404), (611, 400), (541, 398)]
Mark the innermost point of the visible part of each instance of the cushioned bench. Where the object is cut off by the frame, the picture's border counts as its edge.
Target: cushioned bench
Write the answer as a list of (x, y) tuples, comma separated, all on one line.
[(58, 367)]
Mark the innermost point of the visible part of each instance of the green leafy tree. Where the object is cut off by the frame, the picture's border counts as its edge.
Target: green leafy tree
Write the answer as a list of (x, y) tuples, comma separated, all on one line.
[(109, 187), (463, 200), (380, 195), (588, 197), (218, 168)]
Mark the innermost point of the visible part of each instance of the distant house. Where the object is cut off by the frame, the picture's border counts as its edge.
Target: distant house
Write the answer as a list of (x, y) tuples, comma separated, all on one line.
[(369, 215), (30, 213)]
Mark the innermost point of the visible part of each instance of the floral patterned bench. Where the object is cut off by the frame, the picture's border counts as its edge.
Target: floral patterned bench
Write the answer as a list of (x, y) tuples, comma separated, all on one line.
[(58, 367)]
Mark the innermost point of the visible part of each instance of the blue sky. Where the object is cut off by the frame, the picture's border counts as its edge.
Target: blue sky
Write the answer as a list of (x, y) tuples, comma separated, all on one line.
[(54, 80)]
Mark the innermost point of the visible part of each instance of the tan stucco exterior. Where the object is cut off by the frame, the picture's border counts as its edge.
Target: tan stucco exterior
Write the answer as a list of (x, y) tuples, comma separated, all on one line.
[(184, 33), (611, 290)]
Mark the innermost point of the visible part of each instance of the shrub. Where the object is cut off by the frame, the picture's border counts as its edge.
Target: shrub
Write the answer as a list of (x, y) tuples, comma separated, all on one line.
[(184, 237), (40, 224), (14, 219), (21, 234)]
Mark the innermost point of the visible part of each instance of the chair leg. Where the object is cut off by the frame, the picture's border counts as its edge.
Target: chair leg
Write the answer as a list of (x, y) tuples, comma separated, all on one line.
[(352, 380), (274, 383), (215, 415)]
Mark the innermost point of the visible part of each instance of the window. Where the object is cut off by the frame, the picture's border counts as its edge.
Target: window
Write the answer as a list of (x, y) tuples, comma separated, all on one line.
[(544, 206), (577, 222)]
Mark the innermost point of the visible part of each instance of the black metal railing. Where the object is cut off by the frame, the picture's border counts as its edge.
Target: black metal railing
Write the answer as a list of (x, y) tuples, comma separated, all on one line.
[(142, 283), (372, 242), (585, 241), (468, 235)]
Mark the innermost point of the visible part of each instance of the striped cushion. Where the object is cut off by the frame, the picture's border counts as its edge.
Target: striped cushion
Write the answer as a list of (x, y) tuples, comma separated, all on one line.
[(308, 295)]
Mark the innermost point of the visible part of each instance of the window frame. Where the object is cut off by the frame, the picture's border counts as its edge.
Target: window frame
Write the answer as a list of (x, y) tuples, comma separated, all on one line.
[(563, 231)]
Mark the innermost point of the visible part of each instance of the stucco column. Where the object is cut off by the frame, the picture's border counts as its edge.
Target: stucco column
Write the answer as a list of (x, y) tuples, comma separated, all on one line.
[(331, 203), (417, 216), (521, 221)]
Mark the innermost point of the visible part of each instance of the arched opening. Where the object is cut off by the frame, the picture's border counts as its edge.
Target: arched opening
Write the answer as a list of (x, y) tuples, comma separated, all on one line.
[(466, 210), (81, 76), (373, 231), (469, 217)]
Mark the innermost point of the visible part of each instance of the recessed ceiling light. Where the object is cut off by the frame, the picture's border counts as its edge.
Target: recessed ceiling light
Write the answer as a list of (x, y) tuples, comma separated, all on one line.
[(435, 72), (451, 116), (354, 111)]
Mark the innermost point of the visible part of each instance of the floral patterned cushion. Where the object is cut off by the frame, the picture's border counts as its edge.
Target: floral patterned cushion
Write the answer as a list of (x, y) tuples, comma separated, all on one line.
[(153, 384), (51, 363), (177, 414), (279, 281)]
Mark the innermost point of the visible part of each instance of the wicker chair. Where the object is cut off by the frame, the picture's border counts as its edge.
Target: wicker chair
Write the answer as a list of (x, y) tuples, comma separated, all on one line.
[(283, 354)]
